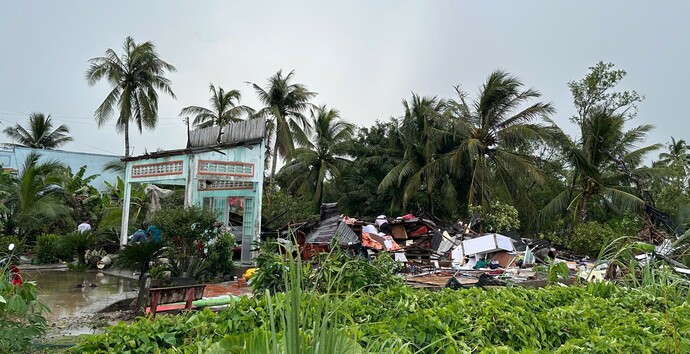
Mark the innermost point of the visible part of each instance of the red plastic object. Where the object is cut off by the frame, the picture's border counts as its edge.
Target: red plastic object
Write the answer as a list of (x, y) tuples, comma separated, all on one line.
[(15, 276), (419, 232)]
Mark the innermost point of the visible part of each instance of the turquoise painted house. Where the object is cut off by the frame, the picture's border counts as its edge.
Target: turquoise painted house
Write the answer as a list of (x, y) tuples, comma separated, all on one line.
[(225, 174)]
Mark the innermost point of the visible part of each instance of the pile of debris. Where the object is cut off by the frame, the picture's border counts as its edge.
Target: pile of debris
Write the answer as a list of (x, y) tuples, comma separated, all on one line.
[(433, 255)]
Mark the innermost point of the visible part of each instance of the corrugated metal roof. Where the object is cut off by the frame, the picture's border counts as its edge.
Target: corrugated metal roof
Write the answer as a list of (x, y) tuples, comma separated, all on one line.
[(330, 227)]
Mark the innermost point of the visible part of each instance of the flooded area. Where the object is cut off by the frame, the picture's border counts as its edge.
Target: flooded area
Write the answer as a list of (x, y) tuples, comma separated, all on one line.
[(65, 292)]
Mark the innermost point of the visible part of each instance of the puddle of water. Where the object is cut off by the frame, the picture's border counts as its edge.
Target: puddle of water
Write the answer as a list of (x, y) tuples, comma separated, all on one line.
[(58, 289)]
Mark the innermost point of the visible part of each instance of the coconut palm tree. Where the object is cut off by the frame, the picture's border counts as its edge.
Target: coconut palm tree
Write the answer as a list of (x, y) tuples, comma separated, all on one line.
[(225, 109), (40, 133), (32, 197), (285, 103), (602, 161), (321, 158), (678, 155), (492, 133), (135, 77), (420, 133)]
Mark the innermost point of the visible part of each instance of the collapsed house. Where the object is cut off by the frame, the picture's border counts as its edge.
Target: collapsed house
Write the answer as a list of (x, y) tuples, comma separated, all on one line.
[(430, 254)]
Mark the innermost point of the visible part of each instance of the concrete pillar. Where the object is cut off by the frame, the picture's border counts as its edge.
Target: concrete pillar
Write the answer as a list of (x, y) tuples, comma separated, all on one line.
[(124, 227), (189, 182)]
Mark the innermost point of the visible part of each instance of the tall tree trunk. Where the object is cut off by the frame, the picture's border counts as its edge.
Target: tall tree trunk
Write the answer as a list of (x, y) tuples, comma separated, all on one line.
[(275, 158), (143, 293), (126, 138), (319, 188), (583, 209)]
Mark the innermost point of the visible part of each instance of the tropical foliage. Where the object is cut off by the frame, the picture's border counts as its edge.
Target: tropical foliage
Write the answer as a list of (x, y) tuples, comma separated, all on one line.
[(420, 138), (493, 134), (40, 133), (225, 109), (139, 256), (497, 217), (80, 242), (21, 315), (32, 198), (598, 318), (284, 103), (320, 158), (135, 77)]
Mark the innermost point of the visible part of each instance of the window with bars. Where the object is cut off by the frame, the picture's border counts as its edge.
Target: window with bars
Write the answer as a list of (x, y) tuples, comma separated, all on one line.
[(226, 168)]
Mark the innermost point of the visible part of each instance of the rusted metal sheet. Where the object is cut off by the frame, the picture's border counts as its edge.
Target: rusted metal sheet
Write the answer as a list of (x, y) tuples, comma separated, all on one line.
[(246, 130), (204, 136), (243, 131)]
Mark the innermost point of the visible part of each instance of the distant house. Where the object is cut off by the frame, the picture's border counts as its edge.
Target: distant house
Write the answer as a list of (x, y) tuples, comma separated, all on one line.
[(12, 158)]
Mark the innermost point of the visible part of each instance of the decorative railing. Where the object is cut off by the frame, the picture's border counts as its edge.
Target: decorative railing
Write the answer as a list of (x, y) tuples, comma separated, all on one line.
[(167, 168)]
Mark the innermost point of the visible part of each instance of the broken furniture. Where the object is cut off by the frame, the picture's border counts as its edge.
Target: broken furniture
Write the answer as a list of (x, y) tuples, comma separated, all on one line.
[(469, 252), (175, 294)]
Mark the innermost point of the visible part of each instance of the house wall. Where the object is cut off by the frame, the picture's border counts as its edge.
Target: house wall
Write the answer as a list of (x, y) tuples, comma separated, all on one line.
[(14, 158)]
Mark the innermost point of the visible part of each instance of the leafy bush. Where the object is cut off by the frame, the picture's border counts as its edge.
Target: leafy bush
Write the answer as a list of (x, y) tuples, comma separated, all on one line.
[(598, 318), (186, 227), (79, 242), (334, 272), (589, 237), (280, 208), (47, 248), (499, 217), (158, 271), (270, 268), (21, 316), (339, 272), (220, 254), (189, 267), (20, 312)]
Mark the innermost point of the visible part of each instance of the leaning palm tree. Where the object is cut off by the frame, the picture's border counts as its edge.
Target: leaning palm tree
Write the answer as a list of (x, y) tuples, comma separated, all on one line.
[(420, 133), (492, 133), (135, 77), (603, 161), (225, 109), (40, 133), (321, 158), (32, 197), (285, 103)]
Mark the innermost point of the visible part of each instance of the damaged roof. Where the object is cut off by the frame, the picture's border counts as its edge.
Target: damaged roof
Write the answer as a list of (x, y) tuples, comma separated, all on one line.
[(330, 227)]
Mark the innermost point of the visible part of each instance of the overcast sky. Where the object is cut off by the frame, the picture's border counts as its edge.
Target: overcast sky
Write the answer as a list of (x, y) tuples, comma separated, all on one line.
[(362, 57)]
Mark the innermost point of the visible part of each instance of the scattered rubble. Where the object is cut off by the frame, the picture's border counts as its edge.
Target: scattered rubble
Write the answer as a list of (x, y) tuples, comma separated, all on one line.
[(434, 255)]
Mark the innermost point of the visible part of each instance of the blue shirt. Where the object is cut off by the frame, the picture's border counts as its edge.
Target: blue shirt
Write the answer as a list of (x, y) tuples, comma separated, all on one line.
[(139, 236), (155, 232)]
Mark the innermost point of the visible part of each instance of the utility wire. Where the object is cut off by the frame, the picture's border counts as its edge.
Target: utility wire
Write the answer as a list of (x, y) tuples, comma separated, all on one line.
[(94, 147), (15, 112), (58, 118)]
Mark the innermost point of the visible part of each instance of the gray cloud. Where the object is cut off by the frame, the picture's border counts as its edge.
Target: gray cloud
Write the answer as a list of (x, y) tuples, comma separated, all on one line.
[(362, 57)]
